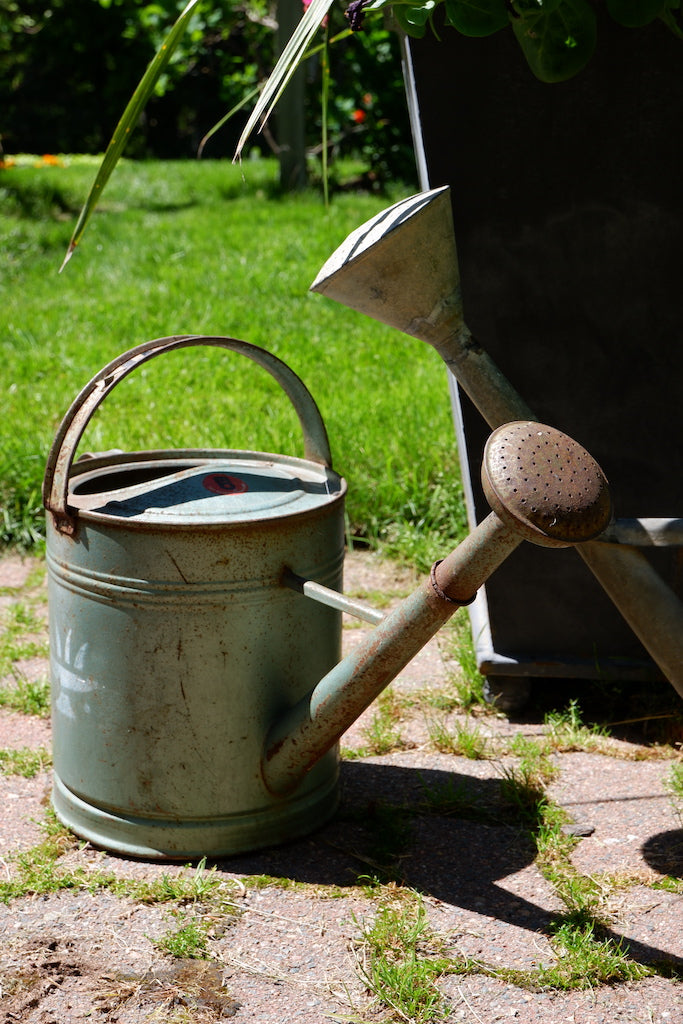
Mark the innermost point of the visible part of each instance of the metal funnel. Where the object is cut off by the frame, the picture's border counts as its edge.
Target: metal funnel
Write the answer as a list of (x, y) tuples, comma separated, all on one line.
[(401, 267)]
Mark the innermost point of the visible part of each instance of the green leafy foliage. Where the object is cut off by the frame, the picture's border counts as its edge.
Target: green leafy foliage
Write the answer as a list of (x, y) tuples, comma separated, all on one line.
[(557, 43), (58, 56), (414, 18), (557, 37), (366, 110), (635, 13), (672, 16), (476, 17)]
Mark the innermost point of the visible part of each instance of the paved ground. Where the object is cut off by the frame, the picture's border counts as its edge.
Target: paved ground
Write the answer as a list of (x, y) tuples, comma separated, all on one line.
[(284, 931)]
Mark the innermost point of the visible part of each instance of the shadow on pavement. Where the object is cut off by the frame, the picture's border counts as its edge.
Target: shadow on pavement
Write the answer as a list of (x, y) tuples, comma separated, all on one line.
[(452, 859)]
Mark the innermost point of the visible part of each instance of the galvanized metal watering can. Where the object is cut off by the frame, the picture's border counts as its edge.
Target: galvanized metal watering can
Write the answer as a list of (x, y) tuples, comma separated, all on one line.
[(401, 267), (198, 696)]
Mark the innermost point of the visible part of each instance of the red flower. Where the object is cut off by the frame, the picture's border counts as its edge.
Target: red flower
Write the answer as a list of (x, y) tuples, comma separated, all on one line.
[(359, 116)]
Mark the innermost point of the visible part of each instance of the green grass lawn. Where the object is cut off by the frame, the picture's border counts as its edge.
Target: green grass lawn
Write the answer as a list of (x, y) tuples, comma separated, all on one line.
[(207, 248)]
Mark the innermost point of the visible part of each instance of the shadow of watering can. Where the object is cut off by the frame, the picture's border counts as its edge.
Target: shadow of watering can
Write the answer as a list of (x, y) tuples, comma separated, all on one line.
[(195, 619)]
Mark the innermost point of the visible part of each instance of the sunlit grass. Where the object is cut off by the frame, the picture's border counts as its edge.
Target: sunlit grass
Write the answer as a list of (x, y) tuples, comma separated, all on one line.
[(194, 247)]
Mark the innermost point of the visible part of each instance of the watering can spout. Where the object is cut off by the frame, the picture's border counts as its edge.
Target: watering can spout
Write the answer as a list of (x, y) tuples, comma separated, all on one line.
[(542, 487), (401, 268)]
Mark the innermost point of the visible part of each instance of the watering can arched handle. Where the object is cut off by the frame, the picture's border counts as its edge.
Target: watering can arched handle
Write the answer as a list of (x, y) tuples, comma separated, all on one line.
[(60, 459)]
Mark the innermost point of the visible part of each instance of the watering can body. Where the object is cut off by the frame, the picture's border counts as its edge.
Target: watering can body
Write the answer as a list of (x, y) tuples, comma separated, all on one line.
[(174, 644)]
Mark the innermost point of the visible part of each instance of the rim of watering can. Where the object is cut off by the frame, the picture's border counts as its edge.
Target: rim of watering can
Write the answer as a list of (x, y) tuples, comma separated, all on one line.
[(196, 487), (77, 417)]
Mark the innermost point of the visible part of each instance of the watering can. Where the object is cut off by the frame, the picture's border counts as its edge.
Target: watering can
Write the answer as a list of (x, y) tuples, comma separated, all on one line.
[(401, 268), (195, 604)]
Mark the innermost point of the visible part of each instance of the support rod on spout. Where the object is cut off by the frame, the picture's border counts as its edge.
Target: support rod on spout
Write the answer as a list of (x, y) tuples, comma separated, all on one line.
[(315, 724), (636, 589), (542, 487)]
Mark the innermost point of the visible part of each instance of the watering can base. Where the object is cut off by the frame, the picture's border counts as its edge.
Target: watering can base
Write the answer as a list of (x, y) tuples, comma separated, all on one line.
[(169, 840)]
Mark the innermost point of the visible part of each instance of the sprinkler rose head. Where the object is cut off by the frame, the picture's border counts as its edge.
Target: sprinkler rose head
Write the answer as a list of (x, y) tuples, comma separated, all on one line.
[(544, 484)]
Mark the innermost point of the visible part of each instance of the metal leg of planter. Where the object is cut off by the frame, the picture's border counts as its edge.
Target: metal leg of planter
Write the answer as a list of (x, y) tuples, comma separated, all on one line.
[(651, 608)]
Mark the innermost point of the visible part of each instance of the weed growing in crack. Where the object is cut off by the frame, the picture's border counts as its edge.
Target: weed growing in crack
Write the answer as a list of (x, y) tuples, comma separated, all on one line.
[(586, 955), (453, 800), (536, 767), (24, 761), (383, 734), (585, 960), (523, 793), (398, 959), (198, 887), (29, 697), (188, 942), (674, 785), (669, 884), (465, 740), (470, 686), (38, 872), (388, 829), (567, 731)]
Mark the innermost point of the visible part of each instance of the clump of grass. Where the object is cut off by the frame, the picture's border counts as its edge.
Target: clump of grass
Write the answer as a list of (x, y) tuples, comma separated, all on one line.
[(21, 638), (383, 733), (28, 696), (21, 518), (274, 881), (387, 829), (399, 961), (586, 960), (523, 784), (674, 784), (469, 685), (22, 627), (462, 739), (669, 884), (24, 761), (453, 800), (188, 942), (38, 872), (567, 732), (198, 886)]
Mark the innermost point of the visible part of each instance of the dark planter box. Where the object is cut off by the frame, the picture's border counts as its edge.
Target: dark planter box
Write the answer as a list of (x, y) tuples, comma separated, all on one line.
[(568, 211)]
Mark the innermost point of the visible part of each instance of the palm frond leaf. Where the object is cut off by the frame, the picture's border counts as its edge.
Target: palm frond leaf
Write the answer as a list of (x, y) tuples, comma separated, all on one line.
[(127, 124), (290, 59)]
